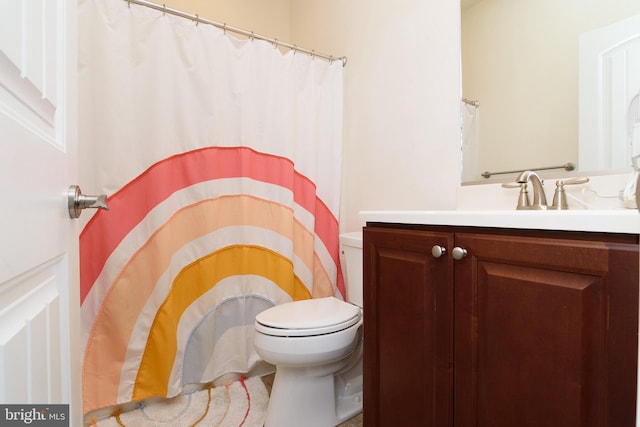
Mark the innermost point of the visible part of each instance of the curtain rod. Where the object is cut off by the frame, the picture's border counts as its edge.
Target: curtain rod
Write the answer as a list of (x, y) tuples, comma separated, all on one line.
[(250, 34), (471, 102)]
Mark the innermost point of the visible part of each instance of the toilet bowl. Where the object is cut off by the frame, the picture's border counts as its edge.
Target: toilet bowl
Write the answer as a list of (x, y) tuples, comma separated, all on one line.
[(316, 347)]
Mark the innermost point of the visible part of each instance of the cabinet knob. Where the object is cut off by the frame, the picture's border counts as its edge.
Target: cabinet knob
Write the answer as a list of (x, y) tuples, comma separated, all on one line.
[(437, 251), (458, 253)]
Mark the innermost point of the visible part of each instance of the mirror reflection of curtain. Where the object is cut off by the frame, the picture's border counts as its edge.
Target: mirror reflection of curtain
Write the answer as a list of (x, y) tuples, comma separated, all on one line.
[(470, 141)]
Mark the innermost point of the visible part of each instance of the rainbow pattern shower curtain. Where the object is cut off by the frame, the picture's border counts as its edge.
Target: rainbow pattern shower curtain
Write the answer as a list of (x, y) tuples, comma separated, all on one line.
[(221, 159)]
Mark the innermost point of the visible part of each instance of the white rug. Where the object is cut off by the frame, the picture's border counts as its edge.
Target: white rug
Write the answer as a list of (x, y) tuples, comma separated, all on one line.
[(239, 403)]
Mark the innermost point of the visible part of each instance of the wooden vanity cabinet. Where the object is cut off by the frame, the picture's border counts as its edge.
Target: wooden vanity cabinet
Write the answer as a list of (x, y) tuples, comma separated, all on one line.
[(530, 328)]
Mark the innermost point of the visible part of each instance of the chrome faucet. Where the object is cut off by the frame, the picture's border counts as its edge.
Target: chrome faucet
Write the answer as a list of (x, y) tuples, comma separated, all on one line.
[(539, 196)]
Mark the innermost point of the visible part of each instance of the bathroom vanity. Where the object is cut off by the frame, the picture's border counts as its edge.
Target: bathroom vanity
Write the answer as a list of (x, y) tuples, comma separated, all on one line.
[(468, 324)]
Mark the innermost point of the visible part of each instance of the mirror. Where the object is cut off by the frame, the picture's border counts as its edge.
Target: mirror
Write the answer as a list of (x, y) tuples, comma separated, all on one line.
[(523, 67)]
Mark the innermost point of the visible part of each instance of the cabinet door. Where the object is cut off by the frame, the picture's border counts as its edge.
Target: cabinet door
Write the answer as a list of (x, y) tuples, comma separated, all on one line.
[(408, 330), (545, 332)]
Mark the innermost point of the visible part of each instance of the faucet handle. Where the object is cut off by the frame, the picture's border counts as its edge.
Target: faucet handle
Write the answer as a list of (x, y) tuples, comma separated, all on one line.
[(523, 197), (560, 197), (571, 181)]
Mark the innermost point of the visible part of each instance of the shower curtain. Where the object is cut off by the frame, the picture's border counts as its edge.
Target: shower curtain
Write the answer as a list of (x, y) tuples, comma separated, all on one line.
[(221, 160), (470, 118)]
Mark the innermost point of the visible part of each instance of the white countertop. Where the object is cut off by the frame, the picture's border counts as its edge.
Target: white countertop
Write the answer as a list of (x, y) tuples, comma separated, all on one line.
[(610, 221)]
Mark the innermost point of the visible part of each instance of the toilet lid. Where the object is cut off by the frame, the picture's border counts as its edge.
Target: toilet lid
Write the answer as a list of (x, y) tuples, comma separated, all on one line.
[(308, 317)]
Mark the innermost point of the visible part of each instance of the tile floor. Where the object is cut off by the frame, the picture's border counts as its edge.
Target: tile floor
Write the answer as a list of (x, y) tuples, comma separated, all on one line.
[(353, 422)]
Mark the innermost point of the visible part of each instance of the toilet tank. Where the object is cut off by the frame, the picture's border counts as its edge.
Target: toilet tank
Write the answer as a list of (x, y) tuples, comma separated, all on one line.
[(351, 262)]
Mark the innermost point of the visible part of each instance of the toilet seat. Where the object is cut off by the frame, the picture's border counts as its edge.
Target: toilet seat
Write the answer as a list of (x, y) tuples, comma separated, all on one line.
[(310, 317)]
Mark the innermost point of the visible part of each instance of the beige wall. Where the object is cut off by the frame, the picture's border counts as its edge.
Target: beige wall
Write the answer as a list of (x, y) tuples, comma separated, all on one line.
[(269, 18), (402, 90)]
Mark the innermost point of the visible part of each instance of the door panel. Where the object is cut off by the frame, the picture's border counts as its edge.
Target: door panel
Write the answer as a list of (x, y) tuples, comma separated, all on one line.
[(539, 340), (39, 303), (609, 70)]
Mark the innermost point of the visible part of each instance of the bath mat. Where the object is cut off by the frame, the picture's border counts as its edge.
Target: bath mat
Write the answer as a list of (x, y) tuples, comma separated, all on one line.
[(239, 403)]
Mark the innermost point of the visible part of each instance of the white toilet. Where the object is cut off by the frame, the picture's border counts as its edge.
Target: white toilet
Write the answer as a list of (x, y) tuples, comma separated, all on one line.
[(316, 347)]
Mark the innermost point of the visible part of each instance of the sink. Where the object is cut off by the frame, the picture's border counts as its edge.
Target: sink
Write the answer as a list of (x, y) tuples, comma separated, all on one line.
[(609, 221)]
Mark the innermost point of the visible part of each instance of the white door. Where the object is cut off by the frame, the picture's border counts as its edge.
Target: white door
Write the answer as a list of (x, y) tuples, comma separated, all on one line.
[(39, 295), (609, 82)]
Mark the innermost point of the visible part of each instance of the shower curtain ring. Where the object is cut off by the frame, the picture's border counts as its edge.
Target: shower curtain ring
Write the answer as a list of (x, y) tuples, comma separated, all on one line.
[(313, 54), (251, 36), (129, 3), (224, 28), (275, 43), (164, 9), (197, 19)]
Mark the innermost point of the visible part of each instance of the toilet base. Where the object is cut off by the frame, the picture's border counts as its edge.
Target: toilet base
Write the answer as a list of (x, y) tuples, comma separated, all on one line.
[(300, 399), (348, 389)]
